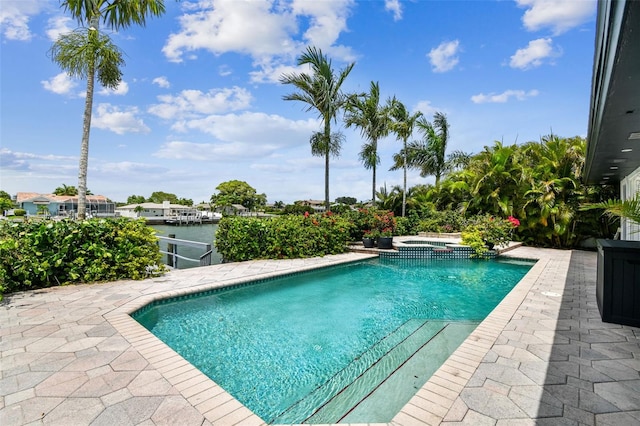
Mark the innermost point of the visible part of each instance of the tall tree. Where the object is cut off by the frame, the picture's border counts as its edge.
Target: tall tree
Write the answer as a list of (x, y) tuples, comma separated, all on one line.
[(365, 112), (238, 192), (436, 135), (402, 125), (322, 92), (86, 53)]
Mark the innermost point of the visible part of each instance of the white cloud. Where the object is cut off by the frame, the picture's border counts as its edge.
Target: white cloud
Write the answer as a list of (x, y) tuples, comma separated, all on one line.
[(15, 15), (271, 73), (130, 168), (121, 90), (60, 84), (16, 160), (59, 25), (425, 107), (395, 7), (216, 152), (112, 118), (273, 39), (224, 70), (327, 20), (534, 54), (503, 97), (253, 129), (191, 102), (162, 82), (220, 26), (559, 15), (444, 57)]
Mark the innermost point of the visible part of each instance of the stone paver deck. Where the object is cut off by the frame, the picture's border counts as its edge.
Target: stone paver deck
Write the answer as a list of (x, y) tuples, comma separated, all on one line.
[(73, 356)]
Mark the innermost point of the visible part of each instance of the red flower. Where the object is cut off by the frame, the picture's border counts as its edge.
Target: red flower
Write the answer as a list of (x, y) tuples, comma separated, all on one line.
[(306, 214)]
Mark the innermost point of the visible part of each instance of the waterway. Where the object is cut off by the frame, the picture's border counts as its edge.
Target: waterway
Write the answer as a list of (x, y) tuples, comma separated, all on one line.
[(202, 233)]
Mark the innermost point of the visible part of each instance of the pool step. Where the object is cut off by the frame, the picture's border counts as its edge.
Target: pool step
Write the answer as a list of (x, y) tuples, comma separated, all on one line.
[(343, 378), (336, 397), (367, 382), (388, 399)]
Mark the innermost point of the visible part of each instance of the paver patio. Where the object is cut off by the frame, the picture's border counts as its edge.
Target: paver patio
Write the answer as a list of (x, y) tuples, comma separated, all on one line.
[(73, 356)]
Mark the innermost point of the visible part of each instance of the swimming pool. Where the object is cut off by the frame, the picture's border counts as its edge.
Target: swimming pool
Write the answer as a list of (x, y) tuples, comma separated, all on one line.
[(286, 347)]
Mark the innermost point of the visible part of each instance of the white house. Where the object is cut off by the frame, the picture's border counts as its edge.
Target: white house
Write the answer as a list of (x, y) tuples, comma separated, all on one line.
[(613, 141), (154, 210)]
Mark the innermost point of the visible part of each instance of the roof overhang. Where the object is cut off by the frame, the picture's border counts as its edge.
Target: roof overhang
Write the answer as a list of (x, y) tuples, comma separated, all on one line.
[(613, 141)]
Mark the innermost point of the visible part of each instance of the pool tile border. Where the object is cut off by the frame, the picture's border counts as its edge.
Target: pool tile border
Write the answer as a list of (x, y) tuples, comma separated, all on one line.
[(429, 406)]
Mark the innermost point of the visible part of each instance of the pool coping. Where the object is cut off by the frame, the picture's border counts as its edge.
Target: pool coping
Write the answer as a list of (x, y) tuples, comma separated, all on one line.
[(428, 406)]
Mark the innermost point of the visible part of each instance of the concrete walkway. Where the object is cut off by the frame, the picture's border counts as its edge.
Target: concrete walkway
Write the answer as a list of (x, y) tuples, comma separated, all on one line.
[(73, 356)]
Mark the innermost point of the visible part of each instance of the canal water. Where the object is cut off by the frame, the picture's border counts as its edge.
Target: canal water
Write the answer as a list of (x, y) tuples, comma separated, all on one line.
[(202, 233)]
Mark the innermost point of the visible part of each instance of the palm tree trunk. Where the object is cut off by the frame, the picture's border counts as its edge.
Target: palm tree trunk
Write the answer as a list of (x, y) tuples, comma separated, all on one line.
[(404, 188), (373, 187), (84, 145), (327, 135)]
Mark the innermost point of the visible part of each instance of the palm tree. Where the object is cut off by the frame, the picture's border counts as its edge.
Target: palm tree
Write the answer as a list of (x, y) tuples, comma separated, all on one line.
[(629, 209), (436, 136), (86, 52), (66, 190), (321, 91), (402, 125), (364, 111)]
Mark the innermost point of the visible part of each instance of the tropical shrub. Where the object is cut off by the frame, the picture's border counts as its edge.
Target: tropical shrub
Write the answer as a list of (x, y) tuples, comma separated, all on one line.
[(492, 230), (284, 237), (36, 254), (19, 212), (473, 238), (442, 221)]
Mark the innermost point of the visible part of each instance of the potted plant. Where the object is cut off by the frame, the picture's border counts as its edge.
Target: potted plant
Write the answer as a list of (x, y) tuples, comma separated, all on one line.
[(369, 238), (385, 240)]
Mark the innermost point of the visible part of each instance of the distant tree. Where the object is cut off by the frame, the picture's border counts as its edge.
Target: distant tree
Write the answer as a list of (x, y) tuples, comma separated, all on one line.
[(321, 91), (5, 203), (346, 200), (237, 192), (4, 194), (136, 199), (138, 210), (160, 196), (297, 209), (185, 201), (66, 190), (88, 53), (278, 205)]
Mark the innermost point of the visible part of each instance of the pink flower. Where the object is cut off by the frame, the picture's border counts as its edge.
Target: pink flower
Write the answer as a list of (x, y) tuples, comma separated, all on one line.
[(515, 222)]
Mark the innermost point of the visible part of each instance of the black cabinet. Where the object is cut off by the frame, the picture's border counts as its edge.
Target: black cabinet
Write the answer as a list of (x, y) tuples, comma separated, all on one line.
[(618, 284)]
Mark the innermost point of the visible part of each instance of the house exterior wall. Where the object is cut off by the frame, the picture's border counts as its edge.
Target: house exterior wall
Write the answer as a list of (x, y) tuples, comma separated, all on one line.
[(629, 187), (32, 208)]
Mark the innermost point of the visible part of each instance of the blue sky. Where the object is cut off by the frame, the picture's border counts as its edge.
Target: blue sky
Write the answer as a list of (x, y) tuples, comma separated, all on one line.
[(200, 101)]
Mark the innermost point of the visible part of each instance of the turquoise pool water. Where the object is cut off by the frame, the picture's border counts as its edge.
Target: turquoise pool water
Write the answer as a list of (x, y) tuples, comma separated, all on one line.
[(312, 347)]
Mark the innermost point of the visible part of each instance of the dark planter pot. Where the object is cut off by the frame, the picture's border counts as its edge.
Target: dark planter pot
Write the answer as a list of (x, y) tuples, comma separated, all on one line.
[(367, 242), (618, 281), (385, 242)]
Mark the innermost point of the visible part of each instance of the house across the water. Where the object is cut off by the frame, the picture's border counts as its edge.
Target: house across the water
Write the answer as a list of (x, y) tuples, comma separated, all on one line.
[(64, 205)]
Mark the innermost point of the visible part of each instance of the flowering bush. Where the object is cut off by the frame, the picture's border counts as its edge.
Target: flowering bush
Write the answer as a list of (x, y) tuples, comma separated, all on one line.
[(493, 231), (373, 223)]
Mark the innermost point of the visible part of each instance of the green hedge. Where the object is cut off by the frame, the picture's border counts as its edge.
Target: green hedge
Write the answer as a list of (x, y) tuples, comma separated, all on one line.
[(284, 237), (35, 254)]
